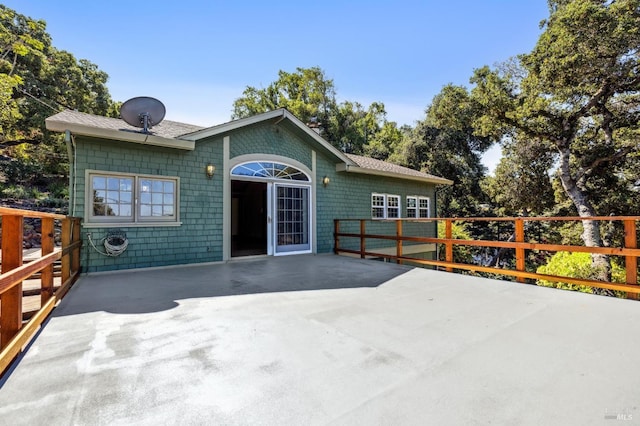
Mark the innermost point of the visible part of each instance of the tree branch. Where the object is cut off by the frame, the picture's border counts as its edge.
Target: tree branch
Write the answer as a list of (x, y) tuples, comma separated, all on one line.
[(7, 144), (603, 91), (602, 160)]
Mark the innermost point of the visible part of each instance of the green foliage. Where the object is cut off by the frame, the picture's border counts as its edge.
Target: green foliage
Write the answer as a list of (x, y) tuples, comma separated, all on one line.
[(445, 144), (521, 184), (306, 93), (574, 101), (22, 192), (384, 142), (310, 95), (36, 81), (461, 254), (575, 265), (21, 172)]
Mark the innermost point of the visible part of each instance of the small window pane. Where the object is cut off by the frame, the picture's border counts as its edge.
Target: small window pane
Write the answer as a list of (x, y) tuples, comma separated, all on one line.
[(168, 187), (113, 184), (156, 198), (377, 213), (125, 184), (125, 197), (125, 210), (145, 185), (145, 210), (378, 200), (167, 210), (156, 210), (113, 196), (156, 186), (99, 183), (99, 209)]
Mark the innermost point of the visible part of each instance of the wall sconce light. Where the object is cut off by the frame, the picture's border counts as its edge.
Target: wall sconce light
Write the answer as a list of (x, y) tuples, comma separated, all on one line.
[(325, 181), (210, 169)]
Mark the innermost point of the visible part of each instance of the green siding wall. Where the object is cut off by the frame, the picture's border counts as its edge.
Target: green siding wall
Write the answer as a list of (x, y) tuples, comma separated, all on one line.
[(348, 196), (269, 139), (199, 238)]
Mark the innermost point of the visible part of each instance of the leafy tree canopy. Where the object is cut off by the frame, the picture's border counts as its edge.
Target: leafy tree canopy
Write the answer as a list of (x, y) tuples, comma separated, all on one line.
[(36, 81), (309, 95), (445, 143), (576, 98)]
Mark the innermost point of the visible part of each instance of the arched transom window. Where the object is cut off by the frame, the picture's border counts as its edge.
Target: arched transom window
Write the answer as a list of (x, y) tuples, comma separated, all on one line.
[(269, 170)]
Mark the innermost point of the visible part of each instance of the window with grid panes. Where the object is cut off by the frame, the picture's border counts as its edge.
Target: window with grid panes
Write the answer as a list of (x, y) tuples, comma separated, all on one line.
[(423, 207), (129, 198), (385, 206)]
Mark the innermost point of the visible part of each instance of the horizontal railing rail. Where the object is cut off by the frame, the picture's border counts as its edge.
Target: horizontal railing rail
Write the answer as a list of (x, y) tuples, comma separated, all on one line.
[(15, 334), (630, 251)]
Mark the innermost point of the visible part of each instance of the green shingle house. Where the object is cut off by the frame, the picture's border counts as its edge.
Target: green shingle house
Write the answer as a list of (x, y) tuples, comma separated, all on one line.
[(265, 185)]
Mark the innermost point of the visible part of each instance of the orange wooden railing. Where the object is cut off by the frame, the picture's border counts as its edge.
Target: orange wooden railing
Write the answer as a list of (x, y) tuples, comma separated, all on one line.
[(630, 250), (14, 333)]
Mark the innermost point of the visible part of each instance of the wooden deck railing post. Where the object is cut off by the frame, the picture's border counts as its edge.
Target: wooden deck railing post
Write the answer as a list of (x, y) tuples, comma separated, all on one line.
[(448, 234), (75, 257), (362, 242), (66, 258), (336, 237), (631, 262), (398, 241), (520, 259), (11, 300), (46, 279)]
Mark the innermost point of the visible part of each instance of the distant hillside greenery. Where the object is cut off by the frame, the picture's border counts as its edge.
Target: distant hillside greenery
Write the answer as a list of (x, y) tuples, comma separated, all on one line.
[(36, 81), (566, 115)]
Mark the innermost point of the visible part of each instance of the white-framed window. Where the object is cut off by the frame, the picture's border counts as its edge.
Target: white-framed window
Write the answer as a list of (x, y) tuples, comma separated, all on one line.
[(423, 207), (412, 206), (393, 206), (378, 206), (385, 206), (125, 198), (418, 207)]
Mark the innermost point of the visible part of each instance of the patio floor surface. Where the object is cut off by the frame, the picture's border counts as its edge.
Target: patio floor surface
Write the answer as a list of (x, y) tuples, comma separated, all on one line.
[(325, 340)]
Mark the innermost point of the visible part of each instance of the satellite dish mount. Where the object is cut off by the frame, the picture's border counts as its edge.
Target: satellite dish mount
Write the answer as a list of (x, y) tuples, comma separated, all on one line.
[(143, 112)]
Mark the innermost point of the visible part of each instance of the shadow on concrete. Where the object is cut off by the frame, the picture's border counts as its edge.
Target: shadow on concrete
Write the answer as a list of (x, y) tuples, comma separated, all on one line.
[(145, 291)]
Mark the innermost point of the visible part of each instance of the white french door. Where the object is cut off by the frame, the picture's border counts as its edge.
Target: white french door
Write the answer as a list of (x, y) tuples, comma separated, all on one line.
[(290, 218)]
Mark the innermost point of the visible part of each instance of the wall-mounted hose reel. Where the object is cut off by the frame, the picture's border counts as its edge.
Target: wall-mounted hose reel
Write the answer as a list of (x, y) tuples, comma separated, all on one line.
[(115, 243)]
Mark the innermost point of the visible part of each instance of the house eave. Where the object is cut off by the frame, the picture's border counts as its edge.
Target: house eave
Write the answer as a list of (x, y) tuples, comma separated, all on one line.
[(119, 135), (341, 167)]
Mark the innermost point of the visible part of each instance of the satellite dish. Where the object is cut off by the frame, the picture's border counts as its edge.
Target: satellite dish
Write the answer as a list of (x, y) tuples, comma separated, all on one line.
[(143, 111)]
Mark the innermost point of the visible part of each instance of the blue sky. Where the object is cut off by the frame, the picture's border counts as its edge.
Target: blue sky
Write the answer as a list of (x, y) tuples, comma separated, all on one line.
[(198, 56)]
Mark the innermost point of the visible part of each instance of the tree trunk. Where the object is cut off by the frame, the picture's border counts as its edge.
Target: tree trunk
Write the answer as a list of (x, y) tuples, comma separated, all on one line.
[(591, 228)]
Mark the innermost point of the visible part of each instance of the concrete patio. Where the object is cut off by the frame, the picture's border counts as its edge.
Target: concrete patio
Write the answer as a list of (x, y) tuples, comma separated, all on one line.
[(325, 340)]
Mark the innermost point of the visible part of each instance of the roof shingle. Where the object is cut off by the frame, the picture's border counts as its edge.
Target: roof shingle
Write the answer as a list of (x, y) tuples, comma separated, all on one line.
[(166, 128), (383, 166)]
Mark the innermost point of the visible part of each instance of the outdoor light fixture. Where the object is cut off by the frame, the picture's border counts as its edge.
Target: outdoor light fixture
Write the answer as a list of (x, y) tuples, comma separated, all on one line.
[(210, 170), (326, 180)]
